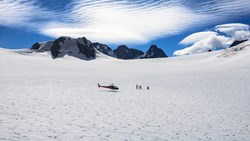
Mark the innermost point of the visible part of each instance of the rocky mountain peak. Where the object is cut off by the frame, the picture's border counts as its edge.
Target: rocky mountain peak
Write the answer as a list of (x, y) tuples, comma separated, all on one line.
[(82, 48), (124, 52), (155, 52), (105, 49)]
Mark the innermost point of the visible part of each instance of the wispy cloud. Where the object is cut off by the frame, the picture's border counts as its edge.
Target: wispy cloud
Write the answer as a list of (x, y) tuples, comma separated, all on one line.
[(196, 37), (16, 13), (125, 22), (118, 21), (237, 31)]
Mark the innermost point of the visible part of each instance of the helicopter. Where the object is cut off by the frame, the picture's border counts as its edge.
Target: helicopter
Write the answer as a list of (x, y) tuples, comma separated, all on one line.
[(111, 86)]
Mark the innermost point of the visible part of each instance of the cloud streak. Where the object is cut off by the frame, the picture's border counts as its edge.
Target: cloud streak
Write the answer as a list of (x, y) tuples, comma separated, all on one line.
[(125, 23), (117, 21), (16, 13)]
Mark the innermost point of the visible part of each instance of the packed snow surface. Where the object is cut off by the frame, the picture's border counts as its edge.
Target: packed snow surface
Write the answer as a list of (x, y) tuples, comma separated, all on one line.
[(199, 97)]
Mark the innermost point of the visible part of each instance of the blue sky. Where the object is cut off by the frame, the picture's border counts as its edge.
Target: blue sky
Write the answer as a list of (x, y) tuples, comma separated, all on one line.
[(136, 23)]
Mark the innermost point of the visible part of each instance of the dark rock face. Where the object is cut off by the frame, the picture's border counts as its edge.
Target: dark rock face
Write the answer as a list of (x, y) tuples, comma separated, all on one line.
[(36, 46), (126, 53), (41, 47), (235, 43), (105, 49), (89, 51), (135, 53), (155, 52), (123, 52), (84, 49), (55, 48), (80, 48)]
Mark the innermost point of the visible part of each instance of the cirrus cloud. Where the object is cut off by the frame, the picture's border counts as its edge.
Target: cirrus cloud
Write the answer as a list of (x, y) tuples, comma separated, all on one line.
[(117, 21), (125, 23), (16, 13)]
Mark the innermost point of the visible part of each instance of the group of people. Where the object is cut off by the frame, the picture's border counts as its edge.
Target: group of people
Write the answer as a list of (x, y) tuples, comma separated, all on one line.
[(139, 87)]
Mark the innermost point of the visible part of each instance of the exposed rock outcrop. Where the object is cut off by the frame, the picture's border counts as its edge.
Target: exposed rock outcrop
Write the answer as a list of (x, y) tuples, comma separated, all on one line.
[(123, 52), (155, 52)]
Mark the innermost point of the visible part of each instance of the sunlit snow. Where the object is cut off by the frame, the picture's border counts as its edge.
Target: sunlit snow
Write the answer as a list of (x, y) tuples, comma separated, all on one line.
[(191, 98)]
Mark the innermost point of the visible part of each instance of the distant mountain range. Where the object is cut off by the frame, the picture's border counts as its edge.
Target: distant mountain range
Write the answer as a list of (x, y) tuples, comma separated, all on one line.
[(83, 48)]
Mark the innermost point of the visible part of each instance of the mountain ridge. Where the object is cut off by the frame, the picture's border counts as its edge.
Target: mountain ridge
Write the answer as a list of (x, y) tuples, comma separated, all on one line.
[(83, 48)]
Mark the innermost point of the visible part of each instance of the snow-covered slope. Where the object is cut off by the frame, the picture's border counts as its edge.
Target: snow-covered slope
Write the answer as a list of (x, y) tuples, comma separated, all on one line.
[(191, 98)]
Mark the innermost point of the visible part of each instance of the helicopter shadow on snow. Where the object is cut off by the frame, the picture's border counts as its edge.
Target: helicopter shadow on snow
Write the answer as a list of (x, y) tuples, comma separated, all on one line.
[(109, 91)]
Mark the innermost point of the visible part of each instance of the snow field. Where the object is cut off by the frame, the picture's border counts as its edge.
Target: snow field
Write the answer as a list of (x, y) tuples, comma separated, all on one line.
[(192, 98)]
